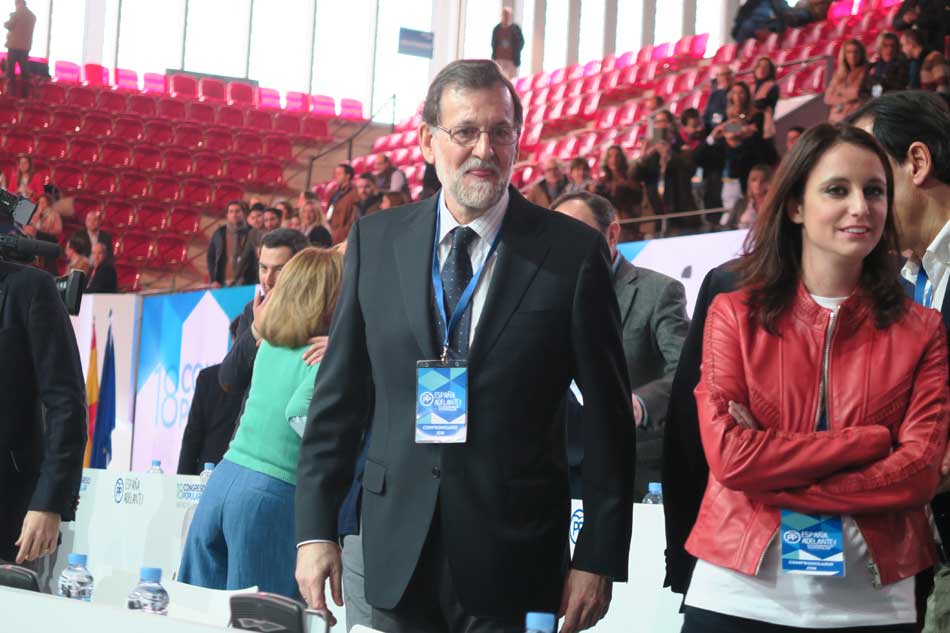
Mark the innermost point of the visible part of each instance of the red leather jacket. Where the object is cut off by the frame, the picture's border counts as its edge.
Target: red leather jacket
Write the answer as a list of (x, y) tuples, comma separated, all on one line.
[(879, 460)]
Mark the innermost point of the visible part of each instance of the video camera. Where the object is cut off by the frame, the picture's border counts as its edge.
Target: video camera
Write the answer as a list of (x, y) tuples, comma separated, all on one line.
[(15, 213)]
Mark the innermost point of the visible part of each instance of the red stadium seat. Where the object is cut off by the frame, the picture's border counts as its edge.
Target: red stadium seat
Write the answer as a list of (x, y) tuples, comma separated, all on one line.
[(169, 108), (51, 94), (65, 120), (240, 94), (575, 71), (248, 143), (196, 192), (607, 118), (129, 277), (268, 174), (155, 83), (133, 247), (400, 157), (557, 93), (17, 142), (592, 84), (169, 250), (224, 193), (183, 87), (351, 110), (177, 161), (322, 106), (629, 114), (208, 165), (68, 178), (531, 136), (189, 136), (142, 105), (566, 148), (128, 128), (314, 130), (109, 101), (201, 112), (592, 68), (83, 205), (66, 72), (726, 54), (259, 120), (147, 158), (268, 98), (165, 188), (230, 116), (278, 147), (118, 214), (100, 180), (586, 144), (558, 77), (296, 102), (51, 146), (9, 113), (114, 154), (239, 169), (184, 221), (287, 123), (213, 90), (218, 139), (125, 80), (81, 97), (629, 139), (151, 217), (159, 132), (96, 124), (95, 75), (83, 151)]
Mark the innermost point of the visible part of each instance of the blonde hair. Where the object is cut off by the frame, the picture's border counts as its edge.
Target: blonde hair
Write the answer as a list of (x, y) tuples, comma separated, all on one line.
[(301, 304)]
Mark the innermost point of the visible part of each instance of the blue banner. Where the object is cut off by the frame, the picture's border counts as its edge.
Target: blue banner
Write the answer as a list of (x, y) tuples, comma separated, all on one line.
[(417, 43)]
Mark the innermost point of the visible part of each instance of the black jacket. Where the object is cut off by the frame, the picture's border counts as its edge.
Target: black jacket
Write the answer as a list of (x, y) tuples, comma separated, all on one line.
[(503, 501), (516, 45), (102, 279), (211, 422), (245, 271)]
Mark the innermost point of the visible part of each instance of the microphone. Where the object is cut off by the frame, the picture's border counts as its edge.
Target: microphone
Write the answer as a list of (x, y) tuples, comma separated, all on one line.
[(24, 248)]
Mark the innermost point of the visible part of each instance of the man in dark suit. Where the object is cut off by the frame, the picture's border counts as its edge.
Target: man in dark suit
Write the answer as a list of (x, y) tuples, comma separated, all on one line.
[(43, 426), (102, 277), (232, 252), (93, 232), (469, 536), (653, 314)]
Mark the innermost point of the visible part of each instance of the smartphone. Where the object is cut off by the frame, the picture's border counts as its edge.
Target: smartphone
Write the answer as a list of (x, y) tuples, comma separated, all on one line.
[(660, 135), (733, 128)]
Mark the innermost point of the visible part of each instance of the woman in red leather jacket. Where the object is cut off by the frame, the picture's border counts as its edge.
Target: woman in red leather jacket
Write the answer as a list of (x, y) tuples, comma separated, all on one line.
[(823, 410)]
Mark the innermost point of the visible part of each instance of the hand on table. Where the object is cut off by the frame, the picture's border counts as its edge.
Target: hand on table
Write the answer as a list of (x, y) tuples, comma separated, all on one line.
[(584, 601), (317, 563)]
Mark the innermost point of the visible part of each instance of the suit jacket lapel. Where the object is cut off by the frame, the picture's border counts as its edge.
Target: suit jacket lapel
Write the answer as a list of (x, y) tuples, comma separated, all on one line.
[(520, 254), (626, 289), (413, 253), (945, 310)]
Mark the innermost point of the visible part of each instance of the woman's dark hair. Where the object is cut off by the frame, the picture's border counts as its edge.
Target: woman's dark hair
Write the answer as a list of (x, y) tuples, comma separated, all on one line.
[(772, 71), (747, 108), (772, 265), (887, 36), (81, 244), (622, 168), (843, 57), (29, 160)]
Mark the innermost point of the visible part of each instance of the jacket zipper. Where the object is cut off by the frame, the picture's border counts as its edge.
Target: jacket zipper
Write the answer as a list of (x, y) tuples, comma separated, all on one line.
[(872, 566), (826, 360)]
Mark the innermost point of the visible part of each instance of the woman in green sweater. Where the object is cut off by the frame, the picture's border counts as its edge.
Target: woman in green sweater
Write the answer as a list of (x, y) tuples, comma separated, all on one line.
[(243, 531)]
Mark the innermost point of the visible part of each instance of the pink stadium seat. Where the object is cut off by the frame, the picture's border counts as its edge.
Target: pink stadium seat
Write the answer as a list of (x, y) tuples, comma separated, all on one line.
[(184, 221), (278, 147), (558, 93), (35, 116), (115, 154), (151, 217), (68, 178), (219, 139), (158, 132), (83, 151), (173, 109), (169, 251), (540, 80), (118, 214), (786, 84), (240, 94), (592, 68), (287, 122), (248, 143), (125, 80), (558, 77), (230, 116), (224, 193), (626, 59), (322, 106), (52, 94), (239, 169), (575, 88), (164, 188), (109, 101), (189, 136), (700, 43), (66, 72), (210, 89), (95, 75), (400, 157), (629, 114), (147, 158), (133, 247), (201, 112), (297, 102), (665, 86), (177, 161), (351, 110), (128, 128), (268, 98), (629, 139), (81, 97), (65, 120), (208, 165), (586, 144), (840, 9), (183, 87), (129, 277), (51, 146), (749, 49), (575, 71), (606, 118), (660, 52), (726, 54), (155, 83), (566, 148), (531, 136), (268, 174), (96, 124), (590, 107), (100, 180), (9, 113), (592, 84), (259, 120), (142, 105)]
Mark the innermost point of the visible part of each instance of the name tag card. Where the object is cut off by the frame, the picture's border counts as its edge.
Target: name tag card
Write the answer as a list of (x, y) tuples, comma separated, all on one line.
[(441, 402), (812, 545)]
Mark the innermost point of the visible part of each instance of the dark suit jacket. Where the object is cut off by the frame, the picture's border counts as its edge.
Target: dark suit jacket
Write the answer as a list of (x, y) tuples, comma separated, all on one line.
[(245, 272), (42, 386), (104, 236), (103, 279), (684, 467), (211, 422), (550, 316)]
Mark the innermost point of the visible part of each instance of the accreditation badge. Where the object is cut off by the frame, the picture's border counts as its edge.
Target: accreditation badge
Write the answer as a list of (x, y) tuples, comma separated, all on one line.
[(812, 544), (441, 402)]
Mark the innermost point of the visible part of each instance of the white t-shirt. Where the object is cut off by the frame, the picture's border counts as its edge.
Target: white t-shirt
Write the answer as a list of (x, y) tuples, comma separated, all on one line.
[(818, 602)]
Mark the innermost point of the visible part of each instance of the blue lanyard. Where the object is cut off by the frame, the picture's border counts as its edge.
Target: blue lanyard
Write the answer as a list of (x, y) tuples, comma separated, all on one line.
[(921, 294), (467, 294)]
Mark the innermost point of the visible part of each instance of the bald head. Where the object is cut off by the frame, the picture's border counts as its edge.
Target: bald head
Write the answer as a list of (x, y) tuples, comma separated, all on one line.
[(552, 170)]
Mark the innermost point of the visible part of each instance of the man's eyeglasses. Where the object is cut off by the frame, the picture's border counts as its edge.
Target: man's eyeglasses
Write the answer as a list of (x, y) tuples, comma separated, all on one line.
[(468, 135)]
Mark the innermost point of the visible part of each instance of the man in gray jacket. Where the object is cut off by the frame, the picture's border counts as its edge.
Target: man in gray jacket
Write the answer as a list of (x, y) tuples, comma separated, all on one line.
[(653, 313)]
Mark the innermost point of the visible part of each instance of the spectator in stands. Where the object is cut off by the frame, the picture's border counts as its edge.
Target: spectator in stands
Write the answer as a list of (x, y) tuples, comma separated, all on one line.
[(889, 72), (243, 530), (665, 174), (78, 252), (792, 136), (929, 17), (93, 232), (928, 68), (579, 176), (615, 185), (704, 162), (255, 216), (388, 176), (232, 258), (765, 91), (24, 180), (272, 219), (770, 468), (430, 182), (287, 210), (613, 171), (314, 224), (19, 42), (552, 184), (849, 87), (746, 210), (368, 198), (654, 104), (341, 211), (506, 44), (715, 112), (46, 225), (756, 18), (211, 419), (806, 12), (102, 278), (654, 323), (393, 199)]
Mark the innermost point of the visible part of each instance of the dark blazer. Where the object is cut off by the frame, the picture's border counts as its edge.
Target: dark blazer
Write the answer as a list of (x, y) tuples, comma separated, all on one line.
[(211, 422), (550, 316), (104, 236), (245, 273), (103, 279), (43, 397), (684, 464)]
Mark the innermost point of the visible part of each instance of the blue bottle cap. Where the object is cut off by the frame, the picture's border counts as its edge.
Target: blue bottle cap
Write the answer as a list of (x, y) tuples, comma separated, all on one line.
[(77, 559), (156, 462), (655, 488), (209, 466), (151, 574), (540, 621)]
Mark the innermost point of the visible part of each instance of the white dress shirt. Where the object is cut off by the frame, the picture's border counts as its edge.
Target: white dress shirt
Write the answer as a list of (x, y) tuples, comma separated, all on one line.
[(936, 260)]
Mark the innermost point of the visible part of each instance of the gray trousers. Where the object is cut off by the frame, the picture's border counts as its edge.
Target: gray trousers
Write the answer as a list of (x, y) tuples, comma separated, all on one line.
[(358, 610)]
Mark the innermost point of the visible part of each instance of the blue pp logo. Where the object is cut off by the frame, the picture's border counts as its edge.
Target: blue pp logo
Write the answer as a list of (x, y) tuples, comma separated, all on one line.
[(119, 490), (426, 399), (577, 522), (792, 537)]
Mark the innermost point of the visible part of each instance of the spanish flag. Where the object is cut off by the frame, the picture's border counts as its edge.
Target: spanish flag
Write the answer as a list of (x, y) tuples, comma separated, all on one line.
[(92, 396)]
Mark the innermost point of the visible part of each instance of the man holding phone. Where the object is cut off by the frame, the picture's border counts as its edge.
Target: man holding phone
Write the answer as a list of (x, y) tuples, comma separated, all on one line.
[(665, 172)]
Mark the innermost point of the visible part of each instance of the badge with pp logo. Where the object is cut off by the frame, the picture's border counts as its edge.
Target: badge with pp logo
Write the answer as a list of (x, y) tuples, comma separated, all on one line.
[(812, 544), (441, 402)]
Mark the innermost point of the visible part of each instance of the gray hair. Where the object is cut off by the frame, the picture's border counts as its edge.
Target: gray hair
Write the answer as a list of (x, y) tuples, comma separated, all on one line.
[(603, 211), (467, 74)]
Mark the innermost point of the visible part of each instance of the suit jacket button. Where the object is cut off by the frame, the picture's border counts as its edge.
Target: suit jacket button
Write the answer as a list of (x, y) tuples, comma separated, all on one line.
[(436, 472)]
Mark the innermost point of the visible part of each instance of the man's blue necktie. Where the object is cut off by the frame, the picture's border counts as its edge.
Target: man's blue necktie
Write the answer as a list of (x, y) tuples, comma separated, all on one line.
[(456, 274), (921, 295)]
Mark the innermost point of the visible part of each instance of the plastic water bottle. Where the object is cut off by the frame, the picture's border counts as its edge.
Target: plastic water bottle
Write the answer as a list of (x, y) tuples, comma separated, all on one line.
[(149, 596), (540, 623), (654, 494), (156, 467), (76, 582), (206, 473)]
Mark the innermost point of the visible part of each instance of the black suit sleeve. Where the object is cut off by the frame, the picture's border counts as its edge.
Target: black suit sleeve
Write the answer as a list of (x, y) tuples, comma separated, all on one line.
[(192, 441), (238, 365), (211, 258), (608, 430), (63, 394), (339, 412)]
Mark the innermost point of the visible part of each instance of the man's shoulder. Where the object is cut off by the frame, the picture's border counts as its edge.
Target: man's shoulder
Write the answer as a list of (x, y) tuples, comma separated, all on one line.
[(386, 220), (655, 279), (15, 273)]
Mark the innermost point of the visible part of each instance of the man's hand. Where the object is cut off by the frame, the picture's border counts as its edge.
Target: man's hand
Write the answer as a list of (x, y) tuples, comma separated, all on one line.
[(741, 414), (316, 563), (38, 536), (314, 353), (637, 410), (945, 472), (259, 306), (585, 600)]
